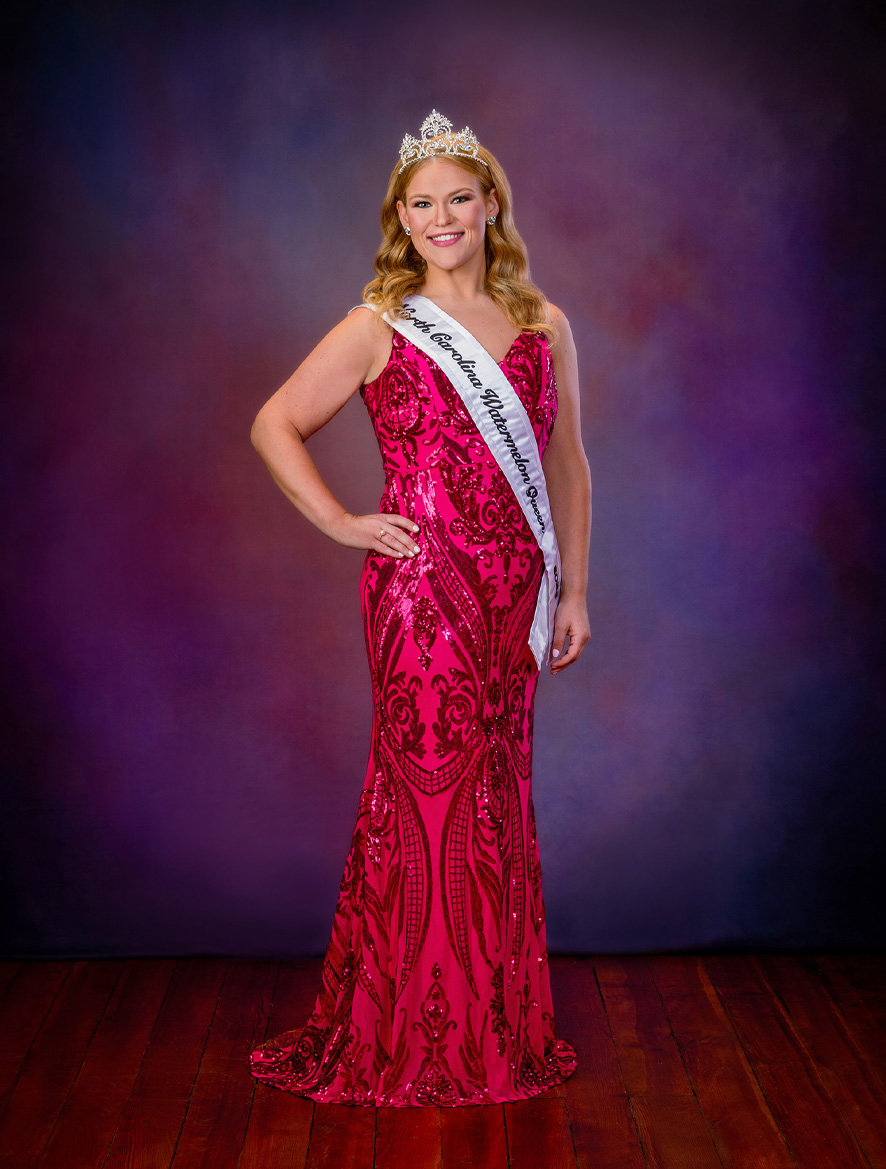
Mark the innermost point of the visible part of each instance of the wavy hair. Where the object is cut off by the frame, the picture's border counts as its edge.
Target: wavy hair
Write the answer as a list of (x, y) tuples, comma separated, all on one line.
[(400, 269)]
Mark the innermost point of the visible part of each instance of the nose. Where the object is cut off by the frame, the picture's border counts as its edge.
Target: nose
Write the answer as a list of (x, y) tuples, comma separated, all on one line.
[(442, 217)]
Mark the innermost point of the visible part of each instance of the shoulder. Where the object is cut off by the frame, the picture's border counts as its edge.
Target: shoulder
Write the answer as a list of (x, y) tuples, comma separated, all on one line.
[(367, 333), (562, 344), (562, 328), (563, 354), (364, 322), (362, 331)]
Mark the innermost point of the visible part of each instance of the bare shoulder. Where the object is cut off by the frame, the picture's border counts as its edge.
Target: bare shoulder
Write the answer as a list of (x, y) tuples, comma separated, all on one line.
[(563, 342), (362, 327), (357, 345), (375, 335)]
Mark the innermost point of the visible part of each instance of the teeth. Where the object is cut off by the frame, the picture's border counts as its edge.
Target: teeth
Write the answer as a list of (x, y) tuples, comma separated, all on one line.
[(452, 235)]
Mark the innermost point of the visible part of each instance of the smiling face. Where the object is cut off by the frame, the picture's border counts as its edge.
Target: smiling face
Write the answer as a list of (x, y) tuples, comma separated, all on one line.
[(446, 210)]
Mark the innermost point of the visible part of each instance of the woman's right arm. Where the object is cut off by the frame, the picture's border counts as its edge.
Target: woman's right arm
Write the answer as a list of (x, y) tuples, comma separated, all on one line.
[(318, 389)]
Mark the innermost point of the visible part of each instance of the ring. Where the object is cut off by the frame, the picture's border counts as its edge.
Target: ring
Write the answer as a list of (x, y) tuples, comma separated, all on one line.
[(383, 532)]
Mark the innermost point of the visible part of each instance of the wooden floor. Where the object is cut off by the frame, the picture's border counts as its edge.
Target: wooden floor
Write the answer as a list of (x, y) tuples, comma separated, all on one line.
[(771, 1062)]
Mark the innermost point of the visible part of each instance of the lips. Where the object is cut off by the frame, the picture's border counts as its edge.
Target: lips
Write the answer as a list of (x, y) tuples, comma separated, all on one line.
[(445, 239)]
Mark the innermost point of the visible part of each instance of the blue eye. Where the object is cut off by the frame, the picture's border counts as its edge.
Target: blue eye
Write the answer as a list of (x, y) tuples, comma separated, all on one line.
[(455, 199)]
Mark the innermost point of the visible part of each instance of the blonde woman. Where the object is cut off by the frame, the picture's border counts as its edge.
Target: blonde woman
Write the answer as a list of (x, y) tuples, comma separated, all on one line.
[(435, 987)]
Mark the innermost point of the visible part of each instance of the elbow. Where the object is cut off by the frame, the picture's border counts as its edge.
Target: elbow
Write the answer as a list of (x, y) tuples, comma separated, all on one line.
[(581, 468), (269, 426), (569, 466), (261, 428), (586, 470), (586, 481), (255, 432)]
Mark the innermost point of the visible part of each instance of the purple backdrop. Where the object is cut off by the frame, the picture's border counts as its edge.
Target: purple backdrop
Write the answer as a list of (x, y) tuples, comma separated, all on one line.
[(193, 203)]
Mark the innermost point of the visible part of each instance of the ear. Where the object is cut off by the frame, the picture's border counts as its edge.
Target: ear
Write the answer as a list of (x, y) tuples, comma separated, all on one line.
[(401, 211), (492, 204)]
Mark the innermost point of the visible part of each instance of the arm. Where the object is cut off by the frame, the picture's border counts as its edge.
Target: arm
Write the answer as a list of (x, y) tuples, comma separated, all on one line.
[(318, 389), (569, 488)]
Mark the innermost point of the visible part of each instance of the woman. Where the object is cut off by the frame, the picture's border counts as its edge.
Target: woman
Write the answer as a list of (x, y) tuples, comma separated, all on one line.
[(435, 988)]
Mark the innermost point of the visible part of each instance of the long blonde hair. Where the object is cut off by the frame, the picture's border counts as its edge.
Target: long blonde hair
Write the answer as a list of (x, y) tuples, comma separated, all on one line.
[(400, 269)]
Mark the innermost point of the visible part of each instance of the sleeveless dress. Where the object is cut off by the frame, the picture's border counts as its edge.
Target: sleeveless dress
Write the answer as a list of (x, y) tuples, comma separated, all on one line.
[(435, 987)]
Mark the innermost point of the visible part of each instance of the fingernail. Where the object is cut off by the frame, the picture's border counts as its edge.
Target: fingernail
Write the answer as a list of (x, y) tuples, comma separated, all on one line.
[(415, 527), (556, 653), (410, 553), (416, 548)]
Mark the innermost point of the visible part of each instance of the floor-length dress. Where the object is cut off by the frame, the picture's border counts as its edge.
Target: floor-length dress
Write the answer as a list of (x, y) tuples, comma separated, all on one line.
[(435, 987)]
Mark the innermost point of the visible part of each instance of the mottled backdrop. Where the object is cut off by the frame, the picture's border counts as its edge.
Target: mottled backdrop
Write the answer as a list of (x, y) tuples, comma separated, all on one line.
[(192, 202)]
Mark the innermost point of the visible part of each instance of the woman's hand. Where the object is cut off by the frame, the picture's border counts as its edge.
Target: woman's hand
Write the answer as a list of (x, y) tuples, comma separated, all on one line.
[(391, 535), (570, 621)]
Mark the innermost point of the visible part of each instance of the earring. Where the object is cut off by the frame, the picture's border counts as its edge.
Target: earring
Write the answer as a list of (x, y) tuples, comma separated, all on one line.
[(491, 220), (408, 230)]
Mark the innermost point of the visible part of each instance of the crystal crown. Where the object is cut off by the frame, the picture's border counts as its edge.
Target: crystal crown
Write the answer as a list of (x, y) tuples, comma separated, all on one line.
[(438, 137)]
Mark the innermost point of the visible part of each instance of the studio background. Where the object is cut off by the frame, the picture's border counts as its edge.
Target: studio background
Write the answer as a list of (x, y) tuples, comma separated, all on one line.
[(192, 201)]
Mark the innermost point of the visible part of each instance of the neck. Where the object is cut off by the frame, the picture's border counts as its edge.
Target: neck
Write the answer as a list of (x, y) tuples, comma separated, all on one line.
[(462, 284)]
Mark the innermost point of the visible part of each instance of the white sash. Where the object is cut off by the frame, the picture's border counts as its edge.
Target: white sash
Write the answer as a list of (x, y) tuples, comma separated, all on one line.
[(498, 414)]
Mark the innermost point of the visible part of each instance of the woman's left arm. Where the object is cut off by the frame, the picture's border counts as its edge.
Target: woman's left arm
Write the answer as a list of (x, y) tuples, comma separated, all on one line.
[(569, 488)]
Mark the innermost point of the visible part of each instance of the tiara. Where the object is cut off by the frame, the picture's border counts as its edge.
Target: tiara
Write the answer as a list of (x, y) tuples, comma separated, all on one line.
[(437, 137)]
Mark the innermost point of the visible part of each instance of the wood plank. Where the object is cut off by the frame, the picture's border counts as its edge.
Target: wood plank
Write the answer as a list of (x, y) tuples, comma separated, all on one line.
[(474, 1137), (92, 1110), (581, 1018), (742, 1126), (342, 1136), (218, 1112), (538, 1134), (866, 1029), (8, 971), (864, 971), (409, 1137), (810, 1122), (153, 1116), (279, 1123), (650, 1059), (51, 1066), (867, 974), (856, 1086), (603, 1127), (23, 1009), (674, 1133), (604, 1131)]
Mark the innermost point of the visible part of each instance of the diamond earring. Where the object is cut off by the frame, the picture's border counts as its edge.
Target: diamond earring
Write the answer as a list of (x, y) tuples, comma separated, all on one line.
[(408, 230), (491, 220)]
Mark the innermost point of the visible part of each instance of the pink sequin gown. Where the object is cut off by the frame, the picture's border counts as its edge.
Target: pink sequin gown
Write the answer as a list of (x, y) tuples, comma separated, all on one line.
[(435, 988)]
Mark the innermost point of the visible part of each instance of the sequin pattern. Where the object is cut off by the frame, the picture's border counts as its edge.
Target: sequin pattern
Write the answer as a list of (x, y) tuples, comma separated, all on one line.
[(435, 988)]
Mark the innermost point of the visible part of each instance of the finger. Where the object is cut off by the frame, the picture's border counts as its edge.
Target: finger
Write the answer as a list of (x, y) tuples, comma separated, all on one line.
[(401, 521), (401, 544), (395, 543), (400, 533), (565, 659), (386, 549), (576, 645), (402, 528), (561, 631), (561, 655)]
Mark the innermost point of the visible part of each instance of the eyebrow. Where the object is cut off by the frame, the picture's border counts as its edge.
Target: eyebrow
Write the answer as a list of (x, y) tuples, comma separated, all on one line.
[(451, 194)]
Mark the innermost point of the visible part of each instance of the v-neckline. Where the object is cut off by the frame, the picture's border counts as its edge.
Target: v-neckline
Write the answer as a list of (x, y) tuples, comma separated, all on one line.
[(509, 352), (470, 334)]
